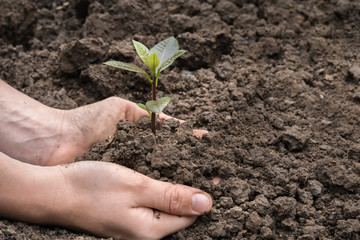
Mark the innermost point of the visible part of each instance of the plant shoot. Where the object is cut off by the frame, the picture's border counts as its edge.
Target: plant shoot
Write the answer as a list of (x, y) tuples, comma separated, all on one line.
[(158, 58)]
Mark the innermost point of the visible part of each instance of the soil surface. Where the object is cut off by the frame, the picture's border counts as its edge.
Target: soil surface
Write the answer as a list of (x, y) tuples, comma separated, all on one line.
[(276, 83)]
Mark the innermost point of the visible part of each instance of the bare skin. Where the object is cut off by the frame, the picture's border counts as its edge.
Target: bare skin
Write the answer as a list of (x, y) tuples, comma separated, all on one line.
[(102, 198), (41, 135)]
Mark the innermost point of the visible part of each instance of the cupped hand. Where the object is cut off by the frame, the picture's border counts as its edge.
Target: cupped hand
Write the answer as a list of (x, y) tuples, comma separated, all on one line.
[(102, 198), (113, 201), (34, 133)]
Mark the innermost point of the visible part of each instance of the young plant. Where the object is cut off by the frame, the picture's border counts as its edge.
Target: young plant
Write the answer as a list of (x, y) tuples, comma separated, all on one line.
[(158, 58)]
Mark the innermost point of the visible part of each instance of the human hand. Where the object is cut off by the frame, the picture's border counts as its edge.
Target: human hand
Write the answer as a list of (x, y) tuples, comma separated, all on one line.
[(102, 198), (92, 196), (34, 133), (99, 120), (109, 200)]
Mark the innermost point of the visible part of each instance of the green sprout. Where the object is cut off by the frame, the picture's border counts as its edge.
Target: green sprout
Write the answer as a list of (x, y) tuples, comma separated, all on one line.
[(158, 58)]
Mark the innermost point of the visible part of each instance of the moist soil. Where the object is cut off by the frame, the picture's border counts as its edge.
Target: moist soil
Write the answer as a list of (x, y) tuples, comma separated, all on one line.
[(276, 83)]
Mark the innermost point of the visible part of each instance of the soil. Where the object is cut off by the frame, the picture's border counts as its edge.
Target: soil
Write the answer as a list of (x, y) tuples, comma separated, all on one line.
[(276, 83)]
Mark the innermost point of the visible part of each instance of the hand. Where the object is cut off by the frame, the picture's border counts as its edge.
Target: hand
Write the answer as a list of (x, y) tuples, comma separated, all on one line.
[(92, 123), (41, 135), (102, 198), (113, 201)]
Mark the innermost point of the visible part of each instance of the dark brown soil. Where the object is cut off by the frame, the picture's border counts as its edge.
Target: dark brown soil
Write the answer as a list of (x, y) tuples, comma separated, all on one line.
[(276, 83)]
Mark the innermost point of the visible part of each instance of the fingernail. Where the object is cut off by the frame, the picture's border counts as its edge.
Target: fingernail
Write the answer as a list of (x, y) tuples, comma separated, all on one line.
[(200, 203)]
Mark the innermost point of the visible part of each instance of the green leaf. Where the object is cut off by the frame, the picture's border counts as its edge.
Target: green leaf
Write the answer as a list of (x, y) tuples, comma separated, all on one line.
[(153, 62), (142, 51), (126, 66), (142, 106), (158, 105), (171, 60), (165, 49)]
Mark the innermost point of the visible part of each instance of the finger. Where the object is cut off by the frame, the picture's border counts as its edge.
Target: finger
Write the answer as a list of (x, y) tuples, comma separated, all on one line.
[(163, 117), (175, 199), (216, 180), (133, 112), (196, 132), (158, 224), (199, 132)]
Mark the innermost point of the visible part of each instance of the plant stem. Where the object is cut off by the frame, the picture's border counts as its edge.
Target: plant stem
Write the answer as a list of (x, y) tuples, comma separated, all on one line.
[(153, 115)]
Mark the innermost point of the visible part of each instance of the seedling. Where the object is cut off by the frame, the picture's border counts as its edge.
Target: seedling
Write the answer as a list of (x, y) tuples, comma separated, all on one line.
[(158, 58)]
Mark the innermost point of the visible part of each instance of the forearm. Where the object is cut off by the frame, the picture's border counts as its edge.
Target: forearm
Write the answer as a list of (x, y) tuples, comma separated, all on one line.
[(26, 191), (16, 107), (15, 98), (25, 125)]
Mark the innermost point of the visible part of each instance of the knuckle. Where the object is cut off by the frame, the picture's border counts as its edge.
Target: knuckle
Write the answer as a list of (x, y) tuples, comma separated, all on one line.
[(112, 99), (173, 199), (140, 184)]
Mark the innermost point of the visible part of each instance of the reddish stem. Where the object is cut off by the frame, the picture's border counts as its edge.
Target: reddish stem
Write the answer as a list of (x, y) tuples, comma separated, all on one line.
[(153, 115)]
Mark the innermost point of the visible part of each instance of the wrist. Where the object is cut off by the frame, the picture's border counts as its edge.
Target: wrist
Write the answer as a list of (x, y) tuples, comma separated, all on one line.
[(31, 193)]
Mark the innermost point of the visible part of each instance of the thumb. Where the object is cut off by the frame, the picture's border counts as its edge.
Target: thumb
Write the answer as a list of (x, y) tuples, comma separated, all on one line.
[(176, 199)]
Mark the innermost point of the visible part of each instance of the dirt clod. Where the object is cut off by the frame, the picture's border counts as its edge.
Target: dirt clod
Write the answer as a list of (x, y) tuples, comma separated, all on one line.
[(276, 84)]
